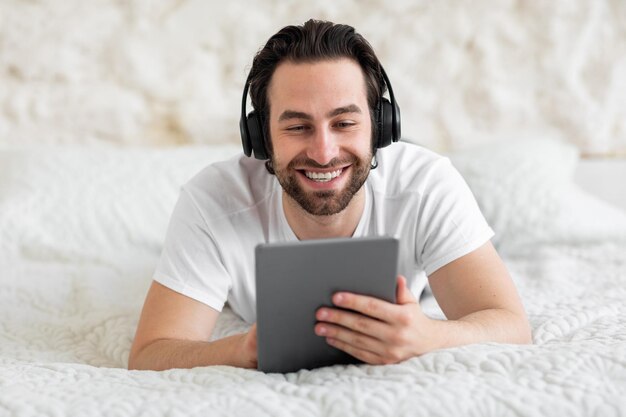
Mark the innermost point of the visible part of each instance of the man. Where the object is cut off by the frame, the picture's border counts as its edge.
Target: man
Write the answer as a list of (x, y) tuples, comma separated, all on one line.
[(317, 92)]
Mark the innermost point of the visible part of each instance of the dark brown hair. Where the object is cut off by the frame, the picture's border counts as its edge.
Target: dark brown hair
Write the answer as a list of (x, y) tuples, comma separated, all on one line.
[(316, 40)]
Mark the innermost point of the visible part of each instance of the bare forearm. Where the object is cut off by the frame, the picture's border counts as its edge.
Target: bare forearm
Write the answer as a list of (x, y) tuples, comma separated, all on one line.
[(168, 353), (493, 325)]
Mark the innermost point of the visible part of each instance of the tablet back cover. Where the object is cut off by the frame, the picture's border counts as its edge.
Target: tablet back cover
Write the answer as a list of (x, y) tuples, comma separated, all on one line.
[(294, 279)]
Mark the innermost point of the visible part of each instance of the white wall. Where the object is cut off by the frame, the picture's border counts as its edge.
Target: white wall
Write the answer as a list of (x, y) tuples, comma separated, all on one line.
[(171, 71)]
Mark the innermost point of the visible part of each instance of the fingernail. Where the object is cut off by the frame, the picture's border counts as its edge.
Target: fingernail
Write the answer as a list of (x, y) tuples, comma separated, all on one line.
[(338, 298), (321, 330), (322, 314)]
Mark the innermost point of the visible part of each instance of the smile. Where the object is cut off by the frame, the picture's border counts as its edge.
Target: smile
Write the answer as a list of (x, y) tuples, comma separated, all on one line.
[(322, 176)]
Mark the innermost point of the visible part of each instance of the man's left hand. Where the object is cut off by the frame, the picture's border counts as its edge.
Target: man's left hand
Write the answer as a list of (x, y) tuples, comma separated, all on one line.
[(376, 331)]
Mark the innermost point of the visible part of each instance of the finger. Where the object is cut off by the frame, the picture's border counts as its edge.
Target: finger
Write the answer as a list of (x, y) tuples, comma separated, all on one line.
[(354, 321), (356, 339), (352, 337), (403, 293), (361, 354), (369, 306)]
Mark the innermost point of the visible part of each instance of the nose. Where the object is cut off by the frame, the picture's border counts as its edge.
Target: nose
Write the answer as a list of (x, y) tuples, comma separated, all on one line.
[(323, 146)]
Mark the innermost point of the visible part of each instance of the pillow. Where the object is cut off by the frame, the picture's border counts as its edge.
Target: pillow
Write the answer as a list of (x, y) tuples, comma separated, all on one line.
[(113, 205), (527, 193), (96, 205)]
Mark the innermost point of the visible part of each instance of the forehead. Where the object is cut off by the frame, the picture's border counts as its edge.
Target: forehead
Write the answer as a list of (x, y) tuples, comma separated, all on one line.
[(320, 85)]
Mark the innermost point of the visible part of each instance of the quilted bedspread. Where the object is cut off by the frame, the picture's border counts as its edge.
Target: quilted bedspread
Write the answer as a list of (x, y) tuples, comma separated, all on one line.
[(80, 236)]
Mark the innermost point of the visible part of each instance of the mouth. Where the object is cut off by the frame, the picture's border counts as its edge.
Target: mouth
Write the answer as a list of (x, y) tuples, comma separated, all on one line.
[(323, 177)]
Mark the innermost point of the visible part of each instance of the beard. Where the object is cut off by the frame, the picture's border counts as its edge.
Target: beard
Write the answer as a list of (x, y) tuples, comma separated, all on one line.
[(328, 202)]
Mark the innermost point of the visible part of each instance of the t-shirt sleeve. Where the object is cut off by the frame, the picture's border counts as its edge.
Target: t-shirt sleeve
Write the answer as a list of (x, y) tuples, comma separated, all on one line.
[(451, 224), (190, 262)]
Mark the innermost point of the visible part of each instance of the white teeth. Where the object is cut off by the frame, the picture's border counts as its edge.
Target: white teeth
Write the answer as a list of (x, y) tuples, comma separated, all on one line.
[(322, 176)]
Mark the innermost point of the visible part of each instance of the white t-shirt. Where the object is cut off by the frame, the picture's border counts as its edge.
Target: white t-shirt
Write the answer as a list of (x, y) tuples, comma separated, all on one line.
[(230, 207)]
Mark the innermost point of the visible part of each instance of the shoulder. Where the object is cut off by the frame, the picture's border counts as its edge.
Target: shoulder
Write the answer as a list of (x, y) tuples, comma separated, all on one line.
[(408, 168), (234, 185)]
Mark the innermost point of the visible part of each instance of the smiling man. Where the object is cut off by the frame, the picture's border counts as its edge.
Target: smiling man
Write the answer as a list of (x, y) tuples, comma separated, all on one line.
[(317, 132), (321, 168)]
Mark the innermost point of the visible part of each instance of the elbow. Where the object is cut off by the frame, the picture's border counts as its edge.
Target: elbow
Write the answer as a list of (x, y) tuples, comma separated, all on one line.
[(525, 333), (132, 366), (145, 357), (528, 340), (137, 363), (525, 338), (515, 328), (135, 359), (133, 363)]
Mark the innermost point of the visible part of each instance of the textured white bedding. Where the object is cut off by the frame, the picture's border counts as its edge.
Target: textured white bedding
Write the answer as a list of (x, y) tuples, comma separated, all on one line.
[(81, 229)]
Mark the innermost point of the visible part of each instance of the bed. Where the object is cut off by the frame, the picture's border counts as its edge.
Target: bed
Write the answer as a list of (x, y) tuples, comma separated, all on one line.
[(81, 230)]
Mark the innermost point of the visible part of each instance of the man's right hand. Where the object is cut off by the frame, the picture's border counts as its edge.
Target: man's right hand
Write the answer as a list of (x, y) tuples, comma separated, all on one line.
[(249, 347)]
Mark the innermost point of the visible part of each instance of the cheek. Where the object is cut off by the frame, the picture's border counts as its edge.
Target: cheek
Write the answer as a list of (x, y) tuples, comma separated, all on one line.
[(366, 140), (283, 151)]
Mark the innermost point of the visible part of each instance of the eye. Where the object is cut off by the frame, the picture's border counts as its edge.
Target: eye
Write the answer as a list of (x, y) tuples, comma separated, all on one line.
[(345, 124), (297, 128)]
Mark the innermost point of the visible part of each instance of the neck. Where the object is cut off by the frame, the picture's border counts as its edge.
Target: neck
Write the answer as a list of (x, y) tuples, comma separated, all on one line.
[(308, 226)]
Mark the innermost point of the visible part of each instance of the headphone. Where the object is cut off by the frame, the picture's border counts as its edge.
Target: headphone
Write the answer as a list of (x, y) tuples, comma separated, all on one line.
[(387, 119)]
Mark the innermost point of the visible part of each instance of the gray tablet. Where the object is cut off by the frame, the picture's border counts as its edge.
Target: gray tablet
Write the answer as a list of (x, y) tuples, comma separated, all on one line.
[(294, 279)]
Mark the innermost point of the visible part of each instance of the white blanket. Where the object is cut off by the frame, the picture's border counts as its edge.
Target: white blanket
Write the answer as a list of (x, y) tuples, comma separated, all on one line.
[(81, 229)]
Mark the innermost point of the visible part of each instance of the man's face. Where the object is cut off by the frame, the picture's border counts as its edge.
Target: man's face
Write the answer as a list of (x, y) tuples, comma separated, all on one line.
[(321, 132)]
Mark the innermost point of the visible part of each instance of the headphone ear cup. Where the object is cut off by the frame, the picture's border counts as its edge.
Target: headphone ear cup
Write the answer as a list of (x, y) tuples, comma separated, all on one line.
[(255, 136), (397, 132), (245, 138), (385, 124)]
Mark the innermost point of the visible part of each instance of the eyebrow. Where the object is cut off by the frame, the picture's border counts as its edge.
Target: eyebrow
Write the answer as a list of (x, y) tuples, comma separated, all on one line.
[(291, 114), (351, 108)]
